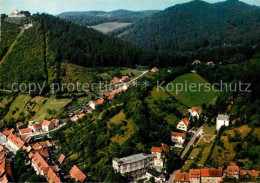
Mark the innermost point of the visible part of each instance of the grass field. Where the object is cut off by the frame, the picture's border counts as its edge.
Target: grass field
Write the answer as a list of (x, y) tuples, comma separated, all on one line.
[(109, 26), (23, 103), (195, 96), (128, 129)]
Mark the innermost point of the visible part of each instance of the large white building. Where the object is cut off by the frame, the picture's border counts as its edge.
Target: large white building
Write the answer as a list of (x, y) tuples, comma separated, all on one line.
[(158, 155), (222, 120), (178, 139), (16, 14), (15, 142), (135, 165)]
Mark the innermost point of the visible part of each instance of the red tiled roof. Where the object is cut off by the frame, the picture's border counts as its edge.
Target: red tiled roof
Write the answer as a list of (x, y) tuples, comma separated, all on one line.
[(232, 170), (41, 145), (55, 121), (182, 177), (52, 177), (165, 147), (7, 132), (46, 123), (25, 130), (197, 109), (125, 78), (195, 173), (19, 124), (77, 174), (155, 69), (61, 158), (186, 121), (156, 149), (178, 134), (211, 172), (37, 126), (115, 80), (40, 163), (16, 140), (252, 173)]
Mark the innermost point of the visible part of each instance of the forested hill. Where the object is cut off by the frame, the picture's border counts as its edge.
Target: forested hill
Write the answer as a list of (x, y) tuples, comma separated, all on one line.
[(199, 29), (90, 18), (35, 54)]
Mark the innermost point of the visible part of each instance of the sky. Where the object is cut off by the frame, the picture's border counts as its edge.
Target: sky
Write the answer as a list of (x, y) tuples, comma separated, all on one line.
[(58, 6)]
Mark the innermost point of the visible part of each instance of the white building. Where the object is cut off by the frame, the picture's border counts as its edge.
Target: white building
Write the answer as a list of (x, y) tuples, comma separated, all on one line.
[(3, 138), (222, 120), (135, 165), (158, 155), (15, 142), (195, 112), (47, 125), (16, 14), (184, 124), (178, 139)]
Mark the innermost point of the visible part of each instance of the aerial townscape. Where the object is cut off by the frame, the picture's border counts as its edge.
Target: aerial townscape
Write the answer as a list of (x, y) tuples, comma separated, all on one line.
[(165, 96)]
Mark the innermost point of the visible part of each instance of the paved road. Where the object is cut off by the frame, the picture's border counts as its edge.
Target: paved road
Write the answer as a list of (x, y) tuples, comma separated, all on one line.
[(196, 134)]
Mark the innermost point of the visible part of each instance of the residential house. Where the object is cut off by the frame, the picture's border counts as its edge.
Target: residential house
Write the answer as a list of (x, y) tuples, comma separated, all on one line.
[(61, 158), (184, 124), (36, 127), (56, 122), (47, 125), (158, 176), (154, 69), (25, 131), (115, 80), (158, 155), (232, 170), (94, 104), (211, 175), (112, 94), (253, 174), (42, 145), (222, 120), (196, 62), (210, 63), (124, 79), (135, 165), (15, 142), (194, 176), (126, 86), (5, 170), (195, 112), (77, 117), (181, 177), (16, 14), (178, 139), (77, 174), (19, 125)]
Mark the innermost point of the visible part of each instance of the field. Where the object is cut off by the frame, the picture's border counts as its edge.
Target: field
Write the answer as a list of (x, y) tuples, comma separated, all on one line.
[(192, 96), (37, 108), (127, 130), (109, 26)]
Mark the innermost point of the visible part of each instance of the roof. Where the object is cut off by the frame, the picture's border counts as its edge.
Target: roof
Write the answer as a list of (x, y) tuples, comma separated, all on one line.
[(197, 109), (196, 62), (252, 173), (25, 138), (52, 177), (112, 94), (46, 123), (55, 121), (186, 121), (223, 117), (19, 124), (16, 141), (232, 169), (178, 134), (154, 69), (55, 168), (25, 130), (7, 132), (2, 166), (40, 163), (76, 173), (37, 126), (115, 80), (182, 177), (41, 145), (156, 149), (125, 78), (134, 158), (195, 173), (61, 158), (211, 172), (155, 173)]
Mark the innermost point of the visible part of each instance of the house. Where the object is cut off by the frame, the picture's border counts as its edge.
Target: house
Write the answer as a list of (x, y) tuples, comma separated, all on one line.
[(77, 174), (232, 170), (5, 170), (154, 69), (181, 177), (196, 62), (158, 155), (124, 79), (7, 132), (112, 94), (159, 177), (253, 174), (47, 125), (89, 110), (56, 122), (195, 111), (194, 176), (36, 127), (52, 177), (178, 139), (94, 104), (15, 142), (184, 124), (222, 120), (126, 86), (61, 158), (3, 138), (19, 125), (16, 14), (25, 131), (135, 165), (41, 145), (115, 80), (211, 175), (77, 117), (210, 63), (3, 151)]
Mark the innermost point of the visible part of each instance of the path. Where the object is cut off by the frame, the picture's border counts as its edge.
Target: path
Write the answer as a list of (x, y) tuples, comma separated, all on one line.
[(196, 134)]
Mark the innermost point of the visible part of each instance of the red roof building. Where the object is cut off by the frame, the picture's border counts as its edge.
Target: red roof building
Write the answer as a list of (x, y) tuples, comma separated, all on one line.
[(177, 134), (61, 158), (15, 142), (25, 131), (77, 174), (182, 177)]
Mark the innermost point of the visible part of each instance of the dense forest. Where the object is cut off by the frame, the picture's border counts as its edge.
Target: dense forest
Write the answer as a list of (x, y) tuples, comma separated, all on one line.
[(199, 30), (90, 18)]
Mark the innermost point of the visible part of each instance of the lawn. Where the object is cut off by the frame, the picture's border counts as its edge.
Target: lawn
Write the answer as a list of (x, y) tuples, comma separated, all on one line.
[(195, 96), (128, 129), (187, 164), (131, 72), (194, 153), (205, 153)]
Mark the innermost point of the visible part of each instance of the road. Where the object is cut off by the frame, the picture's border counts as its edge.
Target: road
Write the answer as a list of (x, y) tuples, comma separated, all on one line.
[(196, 134)]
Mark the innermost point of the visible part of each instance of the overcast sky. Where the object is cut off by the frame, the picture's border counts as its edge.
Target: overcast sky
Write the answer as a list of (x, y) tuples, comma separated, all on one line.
[(59, 6)]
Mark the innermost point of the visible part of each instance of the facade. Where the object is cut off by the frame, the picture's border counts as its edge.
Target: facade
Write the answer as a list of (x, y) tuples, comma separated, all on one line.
[(211, 175), (135, 165), (178, 139), (194, 176), (3, 138), (184, 124), (232, 170), (158, 155), (222, 120), (181, 177), (47, 125), (15, 142)]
